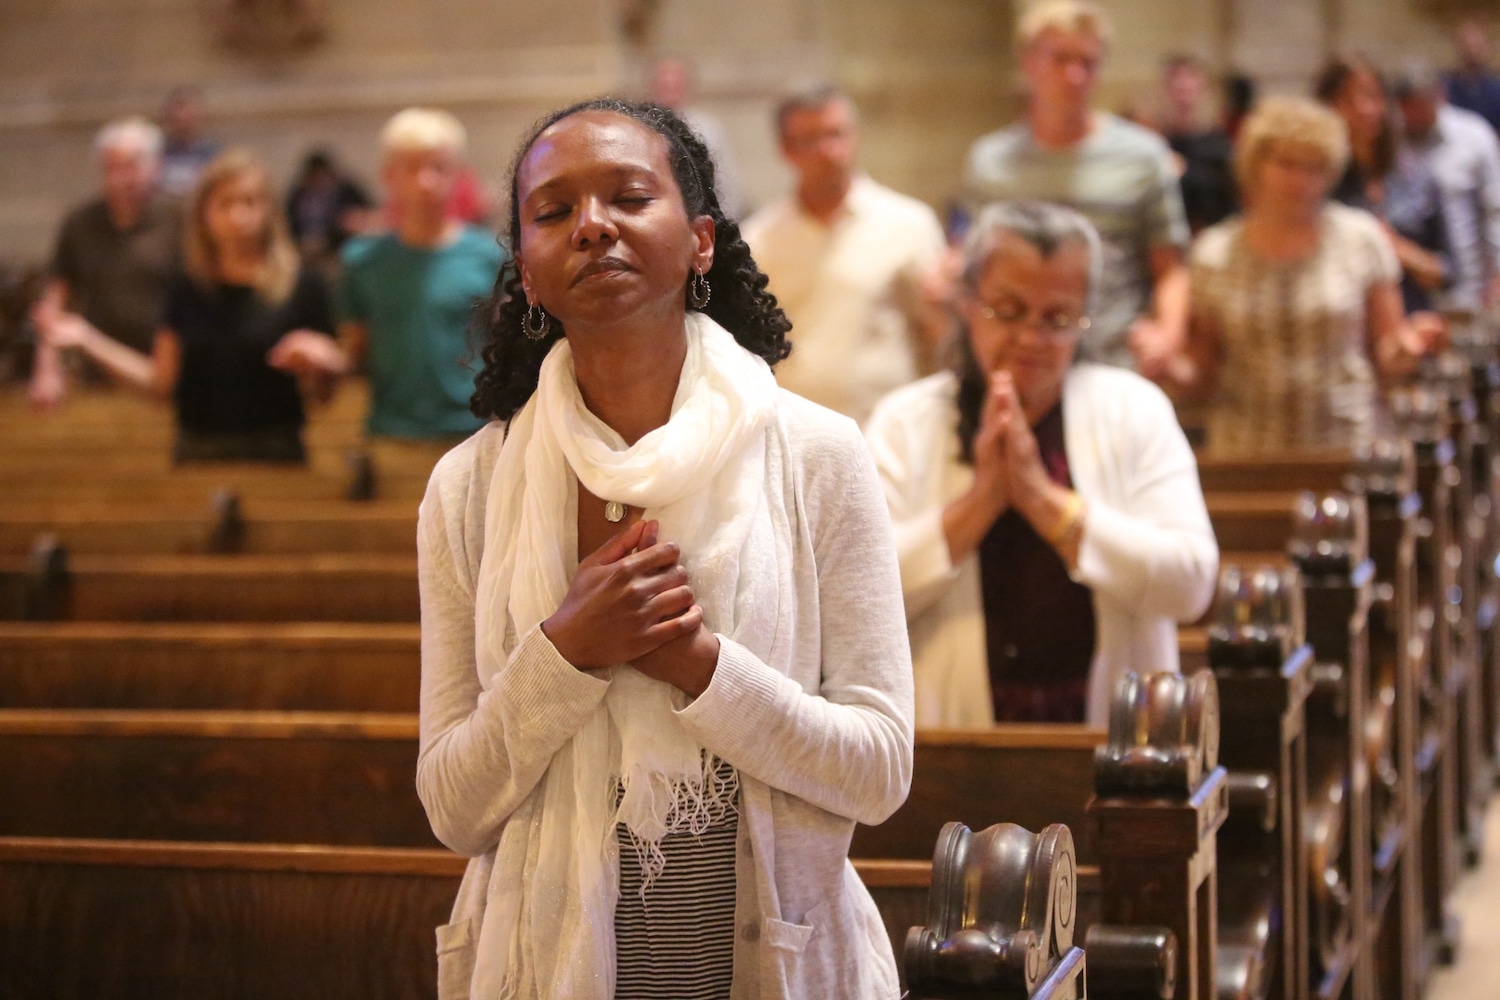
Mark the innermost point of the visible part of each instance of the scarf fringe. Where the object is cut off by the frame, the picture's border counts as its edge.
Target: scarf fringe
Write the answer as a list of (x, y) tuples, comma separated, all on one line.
[(655, 806)]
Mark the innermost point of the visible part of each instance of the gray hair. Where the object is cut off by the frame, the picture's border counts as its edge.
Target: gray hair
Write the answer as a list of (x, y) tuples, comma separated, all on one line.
[(1042, 225), (1416, 77), (135, 133)]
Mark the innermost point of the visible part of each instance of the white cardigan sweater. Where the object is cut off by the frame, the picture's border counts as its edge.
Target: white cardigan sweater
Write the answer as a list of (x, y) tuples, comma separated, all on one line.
[(1147, 553), (821, 732)]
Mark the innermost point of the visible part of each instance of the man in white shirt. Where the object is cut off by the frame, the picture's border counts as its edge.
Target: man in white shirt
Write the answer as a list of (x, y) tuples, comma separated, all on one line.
[(846, 257), (1462, 152), (1117, 175)]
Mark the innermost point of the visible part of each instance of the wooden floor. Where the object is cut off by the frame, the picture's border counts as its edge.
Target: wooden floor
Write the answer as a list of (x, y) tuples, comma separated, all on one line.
[(1476, 902)]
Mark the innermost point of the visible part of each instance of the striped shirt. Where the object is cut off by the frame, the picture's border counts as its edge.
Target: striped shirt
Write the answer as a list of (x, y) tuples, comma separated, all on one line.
[(1297, 372), (1121, 177), (675, 940)]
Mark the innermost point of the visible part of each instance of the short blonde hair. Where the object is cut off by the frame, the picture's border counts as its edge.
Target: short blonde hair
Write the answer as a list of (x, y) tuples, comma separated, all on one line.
[(420, 130), (1297, 121), (1073, 17)]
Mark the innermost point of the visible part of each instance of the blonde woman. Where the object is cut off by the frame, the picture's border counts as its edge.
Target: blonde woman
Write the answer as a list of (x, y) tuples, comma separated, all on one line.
[(242, 291), (1297, 309)]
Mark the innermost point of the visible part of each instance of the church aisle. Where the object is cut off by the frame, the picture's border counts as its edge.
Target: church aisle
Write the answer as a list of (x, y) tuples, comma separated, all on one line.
[(1476, 901)]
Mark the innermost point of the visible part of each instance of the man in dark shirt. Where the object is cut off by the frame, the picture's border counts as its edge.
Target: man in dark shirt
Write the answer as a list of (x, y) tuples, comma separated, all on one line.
[(1208, 190), (114, 255), (1472, 86)]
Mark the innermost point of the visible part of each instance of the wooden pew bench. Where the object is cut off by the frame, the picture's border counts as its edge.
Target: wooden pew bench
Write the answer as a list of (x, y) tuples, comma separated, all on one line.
[(311, 667), (287, 777), (89, 919), (198, 483), (1038, 775), (333, 587), (220, 524)]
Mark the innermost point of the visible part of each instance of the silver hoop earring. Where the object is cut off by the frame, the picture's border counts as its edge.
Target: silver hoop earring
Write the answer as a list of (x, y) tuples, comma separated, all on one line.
[(698, 290), (535, 323)]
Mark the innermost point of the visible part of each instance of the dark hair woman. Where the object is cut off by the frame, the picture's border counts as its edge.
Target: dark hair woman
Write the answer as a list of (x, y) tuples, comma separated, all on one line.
[(1388, 180), (663, 665)]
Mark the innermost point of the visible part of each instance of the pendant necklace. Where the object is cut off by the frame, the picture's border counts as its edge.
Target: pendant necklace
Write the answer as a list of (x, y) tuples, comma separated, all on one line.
[(614, 511)]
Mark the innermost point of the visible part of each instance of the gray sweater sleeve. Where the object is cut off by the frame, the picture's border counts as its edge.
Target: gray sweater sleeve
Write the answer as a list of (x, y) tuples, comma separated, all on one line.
[(482, 751), (844, 745)]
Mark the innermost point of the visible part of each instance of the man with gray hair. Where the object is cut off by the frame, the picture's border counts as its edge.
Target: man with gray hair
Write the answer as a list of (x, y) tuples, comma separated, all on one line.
[(1461, 150), (114, 254)]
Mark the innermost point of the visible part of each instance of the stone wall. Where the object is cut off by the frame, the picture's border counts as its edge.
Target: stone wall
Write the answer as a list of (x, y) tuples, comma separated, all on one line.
[(929, 75)]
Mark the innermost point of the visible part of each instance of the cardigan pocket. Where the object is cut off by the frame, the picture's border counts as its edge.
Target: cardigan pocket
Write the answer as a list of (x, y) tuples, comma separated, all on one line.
[(456, 951), (784, 936)]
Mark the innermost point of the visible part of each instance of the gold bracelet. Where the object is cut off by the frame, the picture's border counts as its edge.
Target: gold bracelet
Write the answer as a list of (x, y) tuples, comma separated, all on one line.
[(1068, 522)]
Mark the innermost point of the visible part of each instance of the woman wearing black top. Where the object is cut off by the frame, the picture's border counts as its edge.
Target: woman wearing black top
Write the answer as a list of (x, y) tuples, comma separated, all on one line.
[(243, 289)]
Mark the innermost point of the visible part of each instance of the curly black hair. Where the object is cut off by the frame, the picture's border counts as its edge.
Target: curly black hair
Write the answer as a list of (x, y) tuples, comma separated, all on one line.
[(739, 300), (973, 385)]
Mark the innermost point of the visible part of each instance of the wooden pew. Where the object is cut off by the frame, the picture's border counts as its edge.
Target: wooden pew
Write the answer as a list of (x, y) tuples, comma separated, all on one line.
[(1276, 472), (1001, 918), (1443, 673), (198, 484), (1361, 721), (223, 523), (1264, 672), (106, 459), (1467, 529), (311, 667), (333, 587), (126, 412), (274, 777), (1150, 851), (88, 919)]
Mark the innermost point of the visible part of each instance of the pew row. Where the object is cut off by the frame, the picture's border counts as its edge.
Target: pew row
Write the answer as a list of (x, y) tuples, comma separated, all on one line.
[(198, 483), (332, 587), (1149, 831), (90, 919), (274, 777), (224, 523), (312, 667)]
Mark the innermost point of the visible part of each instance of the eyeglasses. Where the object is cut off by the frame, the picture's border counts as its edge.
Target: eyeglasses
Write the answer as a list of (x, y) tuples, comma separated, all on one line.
[(1013, 313)]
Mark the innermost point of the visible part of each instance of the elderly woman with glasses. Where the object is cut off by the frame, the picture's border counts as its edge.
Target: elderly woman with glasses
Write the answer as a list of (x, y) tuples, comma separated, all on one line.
[(1049, 523)]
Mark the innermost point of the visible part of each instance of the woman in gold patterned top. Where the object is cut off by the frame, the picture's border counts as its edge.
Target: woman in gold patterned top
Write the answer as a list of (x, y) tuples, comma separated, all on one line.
[(1297, 310)]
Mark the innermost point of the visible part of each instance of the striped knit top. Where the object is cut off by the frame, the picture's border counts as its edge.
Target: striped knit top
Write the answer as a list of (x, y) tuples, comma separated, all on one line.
[(675, 939)]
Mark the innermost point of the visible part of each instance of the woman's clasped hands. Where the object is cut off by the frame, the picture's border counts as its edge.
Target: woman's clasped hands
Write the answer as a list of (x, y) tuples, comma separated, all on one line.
[(1007, 463), (630, 602)]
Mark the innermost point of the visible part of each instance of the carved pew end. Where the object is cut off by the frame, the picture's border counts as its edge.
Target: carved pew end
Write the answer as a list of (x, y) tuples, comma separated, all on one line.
[(1000, 914)]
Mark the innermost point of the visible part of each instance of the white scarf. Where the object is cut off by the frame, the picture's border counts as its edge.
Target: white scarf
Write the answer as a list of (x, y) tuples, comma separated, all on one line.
[(702, 476)]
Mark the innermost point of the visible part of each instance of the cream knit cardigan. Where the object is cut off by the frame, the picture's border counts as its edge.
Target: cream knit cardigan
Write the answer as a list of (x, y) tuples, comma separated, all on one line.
[(1148, 552), (820, 732)]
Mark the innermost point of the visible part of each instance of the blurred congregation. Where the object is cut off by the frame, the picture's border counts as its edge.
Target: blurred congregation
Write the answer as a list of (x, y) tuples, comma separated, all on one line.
[(1380, 165), (1161, 350)]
